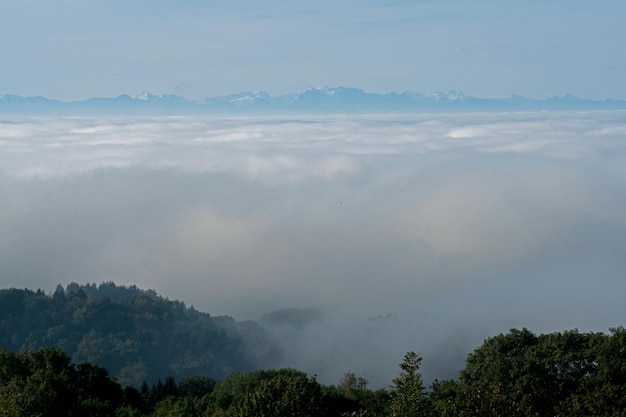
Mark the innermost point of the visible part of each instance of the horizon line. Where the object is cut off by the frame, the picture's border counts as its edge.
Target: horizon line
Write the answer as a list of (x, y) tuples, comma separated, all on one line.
[(458, 93)]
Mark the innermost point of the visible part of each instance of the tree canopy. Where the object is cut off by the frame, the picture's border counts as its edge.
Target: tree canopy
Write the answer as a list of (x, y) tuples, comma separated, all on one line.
[(137, 335), (124, 352)]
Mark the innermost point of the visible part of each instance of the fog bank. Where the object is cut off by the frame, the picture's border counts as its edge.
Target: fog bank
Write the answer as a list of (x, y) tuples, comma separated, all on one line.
[(472, 222)]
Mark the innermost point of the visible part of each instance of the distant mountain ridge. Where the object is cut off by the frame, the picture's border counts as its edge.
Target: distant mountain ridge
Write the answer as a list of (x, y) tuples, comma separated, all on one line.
[(314, 100)]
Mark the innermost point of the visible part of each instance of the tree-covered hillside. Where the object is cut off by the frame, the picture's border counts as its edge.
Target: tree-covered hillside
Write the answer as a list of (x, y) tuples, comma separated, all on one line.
[(519, 374), (87, 350), (137, 335)]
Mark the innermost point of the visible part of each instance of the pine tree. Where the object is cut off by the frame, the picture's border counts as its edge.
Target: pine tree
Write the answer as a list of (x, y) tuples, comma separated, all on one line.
[(408, 396)]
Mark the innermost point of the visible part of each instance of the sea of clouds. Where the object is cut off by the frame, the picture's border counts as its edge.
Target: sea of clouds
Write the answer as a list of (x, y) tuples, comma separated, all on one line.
[(459, 225)]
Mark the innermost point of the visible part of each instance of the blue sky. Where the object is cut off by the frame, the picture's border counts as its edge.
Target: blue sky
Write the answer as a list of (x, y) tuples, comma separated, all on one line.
[(71, 49)]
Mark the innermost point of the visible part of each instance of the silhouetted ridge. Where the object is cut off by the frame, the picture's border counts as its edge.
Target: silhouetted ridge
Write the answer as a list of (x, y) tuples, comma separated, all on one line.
[(315, 100)]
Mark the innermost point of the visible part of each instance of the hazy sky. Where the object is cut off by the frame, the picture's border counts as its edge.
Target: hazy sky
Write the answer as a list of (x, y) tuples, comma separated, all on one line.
[(74, 49)]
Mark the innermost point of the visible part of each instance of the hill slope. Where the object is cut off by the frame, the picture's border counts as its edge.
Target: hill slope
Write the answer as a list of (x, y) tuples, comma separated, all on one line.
[(136, 334)]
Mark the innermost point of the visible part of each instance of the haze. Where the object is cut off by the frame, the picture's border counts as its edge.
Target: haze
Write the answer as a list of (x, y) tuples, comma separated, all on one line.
[(78, 49), (460, 225)]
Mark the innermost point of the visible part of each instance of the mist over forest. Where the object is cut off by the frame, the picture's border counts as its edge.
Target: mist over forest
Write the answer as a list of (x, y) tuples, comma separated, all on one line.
[(425, 232)]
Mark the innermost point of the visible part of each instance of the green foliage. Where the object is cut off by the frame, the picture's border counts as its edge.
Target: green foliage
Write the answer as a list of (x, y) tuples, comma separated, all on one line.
[(140, 336), (502, 377), (10, 399), (445, 399), (408, 395), (352, 387), (286, 394), (135, 334), (45, 383), (177, 407), (562, 374), (351, 397), (229, 393), (196, 386)]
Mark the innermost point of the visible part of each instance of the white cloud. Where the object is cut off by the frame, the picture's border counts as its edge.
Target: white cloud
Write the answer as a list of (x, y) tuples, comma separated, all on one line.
[(302, 146), (386, 209), (522, 218)]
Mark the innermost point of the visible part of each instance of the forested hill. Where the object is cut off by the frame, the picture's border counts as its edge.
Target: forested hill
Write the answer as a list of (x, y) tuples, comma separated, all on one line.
[(140, 336), (136, 334)]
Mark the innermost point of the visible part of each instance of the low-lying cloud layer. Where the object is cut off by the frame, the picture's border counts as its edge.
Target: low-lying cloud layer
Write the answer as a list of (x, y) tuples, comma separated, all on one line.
[(499, 220)]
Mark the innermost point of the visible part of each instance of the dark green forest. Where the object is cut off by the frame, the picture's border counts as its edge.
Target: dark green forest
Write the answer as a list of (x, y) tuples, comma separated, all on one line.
[(136, 334), (120, 351)]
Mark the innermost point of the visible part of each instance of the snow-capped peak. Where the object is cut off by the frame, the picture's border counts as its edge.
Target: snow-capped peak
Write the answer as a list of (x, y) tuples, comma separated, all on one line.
[(449, 95), (144, 95)]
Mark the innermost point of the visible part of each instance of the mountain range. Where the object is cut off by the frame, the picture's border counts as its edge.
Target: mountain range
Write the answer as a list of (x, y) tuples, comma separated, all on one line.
[(313, 100)]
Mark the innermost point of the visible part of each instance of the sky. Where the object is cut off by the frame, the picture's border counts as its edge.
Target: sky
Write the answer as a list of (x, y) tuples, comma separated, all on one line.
[(447, 228), (75, 49)]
